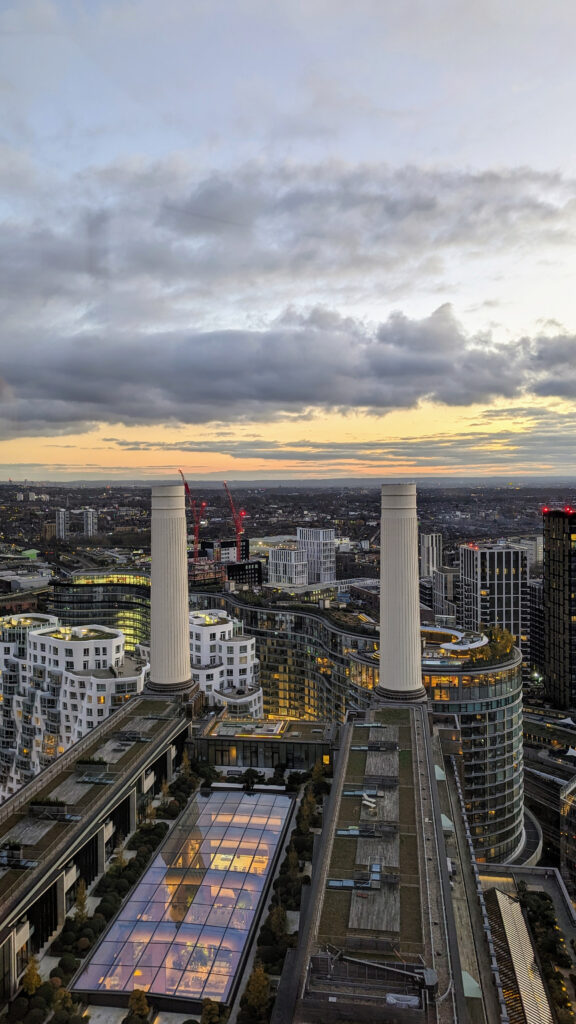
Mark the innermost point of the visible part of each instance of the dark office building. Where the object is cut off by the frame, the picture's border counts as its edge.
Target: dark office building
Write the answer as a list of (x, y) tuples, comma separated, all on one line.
[(536, 619), (560, 606), (245, 573)]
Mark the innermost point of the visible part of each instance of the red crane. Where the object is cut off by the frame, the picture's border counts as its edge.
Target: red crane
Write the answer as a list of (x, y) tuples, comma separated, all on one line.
[(197, 510), (237, 517)]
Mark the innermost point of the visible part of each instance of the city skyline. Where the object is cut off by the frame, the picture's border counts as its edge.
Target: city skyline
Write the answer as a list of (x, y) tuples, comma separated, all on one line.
[(282, 242)]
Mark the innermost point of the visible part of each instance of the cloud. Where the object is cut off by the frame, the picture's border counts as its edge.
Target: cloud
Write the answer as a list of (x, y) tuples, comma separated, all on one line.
[(548, 448), (298, 365), (100, 294)]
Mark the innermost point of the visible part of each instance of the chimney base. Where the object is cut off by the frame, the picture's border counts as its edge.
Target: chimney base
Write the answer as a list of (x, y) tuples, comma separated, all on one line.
[(417, 696)]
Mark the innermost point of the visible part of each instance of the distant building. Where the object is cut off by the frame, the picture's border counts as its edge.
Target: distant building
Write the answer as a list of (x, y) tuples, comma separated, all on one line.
[(430, 553), (287, 566), (244, 574), (494, 589), (62, 523), (536, 616), (89, 522), (560, 606), (319, 546), (225, 550), (445, 588)]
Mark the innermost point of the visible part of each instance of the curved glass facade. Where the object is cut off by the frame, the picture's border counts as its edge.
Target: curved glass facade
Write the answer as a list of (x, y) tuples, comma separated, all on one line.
[(117, 599), (309, 668), (488, 702)]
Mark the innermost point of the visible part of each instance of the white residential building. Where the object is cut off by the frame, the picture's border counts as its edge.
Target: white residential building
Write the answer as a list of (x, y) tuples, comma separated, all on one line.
[(319, 546), (224, 663), (430, 553), (287, 566), (56, 683), (89, 522), (62, 523)]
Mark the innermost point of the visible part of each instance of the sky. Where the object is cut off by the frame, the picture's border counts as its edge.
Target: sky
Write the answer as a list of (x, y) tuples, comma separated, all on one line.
[(258, 239)]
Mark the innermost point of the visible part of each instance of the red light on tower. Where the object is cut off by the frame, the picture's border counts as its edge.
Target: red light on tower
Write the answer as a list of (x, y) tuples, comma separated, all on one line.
[(545, 509), (568, 508)]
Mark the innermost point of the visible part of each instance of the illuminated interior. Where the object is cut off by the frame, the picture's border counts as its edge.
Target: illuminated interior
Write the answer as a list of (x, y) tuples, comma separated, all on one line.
[(184, 929)]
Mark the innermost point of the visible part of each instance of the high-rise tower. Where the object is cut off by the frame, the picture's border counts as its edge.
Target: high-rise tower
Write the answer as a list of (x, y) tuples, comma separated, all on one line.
[(169, 637), (494, 589), (430, 553), (400, 662), (560, 606)]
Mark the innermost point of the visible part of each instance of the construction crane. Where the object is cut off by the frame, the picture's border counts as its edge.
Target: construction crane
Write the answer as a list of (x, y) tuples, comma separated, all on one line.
[(197, 510), (237, 517)]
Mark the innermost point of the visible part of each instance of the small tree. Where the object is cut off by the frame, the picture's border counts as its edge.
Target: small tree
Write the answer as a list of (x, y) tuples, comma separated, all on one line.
[(81, 903), (138, 1003), (257, 993), (31, 979), (119, 858), (63, 1001), (210, 1012), (165, 790), (185, 765), (277, 920)]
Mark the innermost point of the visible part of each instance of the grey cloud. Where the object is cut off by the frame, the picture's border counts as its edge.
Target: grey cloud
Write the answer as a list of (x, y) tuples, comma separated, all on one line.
[(321, 361), (296, 366), (100, 292)]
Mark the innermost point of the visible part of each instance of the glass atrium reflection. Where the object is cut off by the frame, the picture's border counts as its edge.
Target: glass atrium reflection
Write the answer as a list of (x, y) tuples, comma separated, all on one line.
[(184, 929)]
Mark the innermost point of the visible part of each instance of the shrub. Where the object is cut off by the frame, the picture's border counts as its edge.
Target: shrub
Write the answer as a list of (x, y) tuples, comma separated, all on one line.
[(45, 992), (68, 938), (34, 1017), (83, 945), (38, 1003), (57, 972), (61, 1017), (98, 923), (68, 963), (56, 982), (18, 1009)]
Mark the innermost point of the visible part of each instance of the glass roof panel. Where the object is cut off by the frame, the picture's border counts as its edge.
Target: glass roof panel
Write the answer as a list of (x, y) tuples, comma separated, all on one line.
[(184, 930)]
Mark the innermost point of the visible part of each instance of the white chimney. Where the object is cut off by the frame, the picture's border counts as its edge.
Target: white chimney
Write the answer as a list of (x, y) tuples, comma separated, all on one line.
[(169, 633), (400, 650)]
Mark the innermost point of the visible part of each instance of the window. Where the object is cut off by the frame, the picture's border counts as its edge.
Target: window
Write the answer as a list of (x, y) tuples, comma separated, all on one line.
[(96, 650), (212, 636), (86, 652), (69, 665), (69, 652), (42, 647)]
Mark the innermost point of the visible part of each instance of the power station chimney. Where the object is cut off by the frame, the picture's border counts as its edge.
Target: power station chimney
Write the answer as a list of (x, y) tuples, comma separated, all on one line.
[(169, 633), (400, 650)]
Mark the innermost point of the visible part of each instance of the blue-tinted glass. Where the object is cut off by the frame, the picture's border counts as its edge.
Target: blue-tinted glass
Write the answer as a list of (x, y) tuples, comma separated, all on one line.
[(205, 884), (197, 913)]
